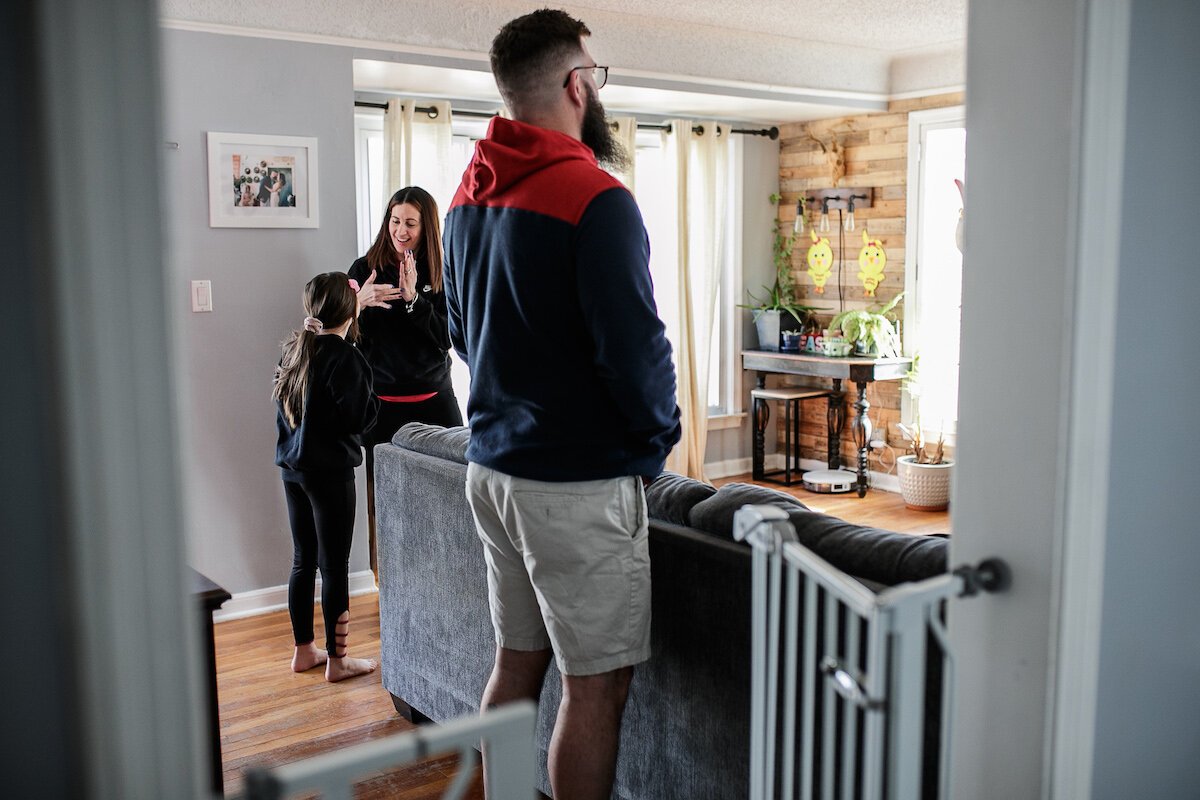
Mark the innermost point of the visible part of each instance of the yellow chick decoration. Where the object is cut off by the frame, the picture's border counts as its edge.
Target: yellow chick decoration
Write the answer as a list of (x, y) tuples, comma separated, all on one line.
[(871, 261), (820, 261)]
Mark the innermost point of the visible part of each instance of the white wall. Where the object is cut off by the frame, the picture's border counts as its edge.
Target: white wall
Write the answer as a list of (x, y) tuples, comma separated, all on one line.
[(1112, 523), (1016, 306)]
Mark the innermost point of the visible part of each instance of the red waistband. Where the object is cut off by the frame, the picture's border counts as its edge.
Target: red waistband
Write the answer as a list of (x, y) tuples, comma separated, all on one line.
[(407, 398)]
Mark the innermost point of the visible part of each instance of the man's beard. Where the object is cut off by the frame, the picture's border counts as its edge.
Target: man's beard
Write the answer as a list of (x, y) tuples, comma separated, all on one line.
[(597, 135)]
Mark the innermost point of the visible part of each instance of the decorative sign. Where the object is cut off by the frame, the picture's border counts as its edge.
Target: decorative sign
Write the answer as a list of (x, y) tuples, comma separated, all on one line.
[(871, 261), (820, 261)]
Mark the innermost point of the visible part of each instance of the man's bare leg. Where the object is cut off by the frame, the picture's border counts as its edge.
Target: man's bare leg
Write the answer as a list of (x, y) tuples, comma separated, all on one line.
[(516, 675), (583, 749)]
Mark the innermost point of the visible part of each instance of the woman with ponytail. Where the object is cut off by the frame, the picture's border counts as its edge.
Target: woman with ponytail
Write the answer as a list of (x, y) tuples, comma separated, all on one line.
[(325, 402)]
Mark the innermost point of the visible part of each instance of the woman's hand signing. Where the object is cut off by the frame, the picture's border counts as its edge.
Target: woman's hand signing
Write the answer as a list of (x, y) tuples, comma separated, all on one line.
[(408, 277), (377, 295)]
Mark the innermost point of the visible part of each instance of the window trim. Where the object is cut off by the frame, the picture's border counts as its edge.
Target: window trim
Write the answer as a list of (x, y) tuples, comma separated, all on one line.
[(919, 121), (367, 122), (730, 330)]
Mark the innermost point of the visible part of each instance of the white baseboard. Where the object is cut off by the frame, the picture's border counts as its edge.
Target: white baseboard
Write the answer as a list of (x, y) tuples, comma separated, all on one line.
[(274, 598), (741, 466)]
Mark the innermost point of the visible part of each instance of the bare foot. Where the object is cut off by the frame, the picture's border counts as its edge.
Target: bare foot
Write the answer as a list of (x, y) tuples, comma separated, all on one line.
[(308, 656), (338, 669)]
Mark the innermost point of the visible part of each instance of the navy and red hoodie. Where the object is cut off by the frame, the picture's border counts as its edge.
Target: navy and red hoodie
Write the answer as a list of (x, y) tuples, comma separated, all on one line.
[(550, 303)]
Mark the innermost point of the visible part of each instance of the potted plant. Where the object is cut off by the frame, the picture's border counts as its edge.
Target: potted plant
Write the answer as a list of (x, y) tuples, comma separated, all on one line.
[(780, 298), (872, 330), (925, 471)]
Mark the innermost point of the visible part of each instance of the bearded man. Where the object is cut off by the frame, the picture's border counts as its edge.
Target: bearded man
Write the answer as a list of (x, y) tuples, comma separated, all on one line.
[(572, 402)]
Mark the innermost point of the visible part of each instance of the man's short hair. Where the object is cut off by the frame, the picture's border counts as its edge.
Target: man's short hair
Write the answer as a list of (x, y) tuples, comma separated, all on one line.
[(529, 52)]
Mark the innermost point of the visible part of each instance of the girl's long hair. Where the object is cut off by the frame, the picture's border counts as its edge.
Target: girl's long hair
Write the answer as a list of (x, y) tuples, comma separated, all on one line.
[(329, 298), (383, 253)]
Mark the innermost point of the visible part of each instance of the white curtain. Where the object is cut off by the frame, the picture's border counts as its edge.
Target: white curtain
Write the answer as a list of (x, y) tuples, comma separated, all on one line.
[(625, 132), (699, 152), (407, 131)]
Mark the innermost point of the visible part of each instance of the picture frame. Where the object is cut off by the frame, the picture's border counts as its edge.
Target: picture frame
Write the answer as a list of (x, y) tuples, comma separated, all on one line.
[(262, 181)]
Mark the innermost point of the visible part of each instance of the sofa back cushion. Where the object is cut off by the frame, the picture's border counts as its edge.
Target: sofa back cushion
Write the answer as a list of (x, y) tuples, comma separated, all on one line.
[(879, 556), (715, 514), (670, 497)]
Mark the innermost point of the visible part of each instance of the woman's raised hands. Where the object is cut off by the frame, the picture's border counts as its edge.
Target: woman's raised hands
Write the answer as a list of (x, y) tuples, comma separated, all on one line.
[(377, 295)]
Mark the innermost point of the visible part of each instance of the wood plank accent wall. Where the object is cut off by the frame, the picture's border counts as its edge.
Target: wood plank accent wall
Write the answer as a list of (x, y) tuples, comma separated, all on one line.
[(875, 156)]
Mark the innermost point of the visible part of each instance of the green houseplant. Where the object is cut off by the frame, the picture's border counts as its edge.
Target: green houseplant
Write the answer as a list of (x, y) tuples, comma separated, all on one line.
[(779, 298), (924, 472), (873, 330)]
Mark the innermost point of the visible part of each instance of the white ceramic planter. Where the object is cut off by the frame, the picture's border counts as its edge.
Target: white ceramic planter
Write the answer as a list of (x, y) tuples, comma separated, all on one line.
[(924, 487)]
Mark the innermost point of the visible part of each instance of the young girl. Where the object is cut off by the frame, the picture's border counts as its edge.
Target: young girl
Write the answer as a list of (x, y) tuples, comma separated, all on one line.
[(325, 402)]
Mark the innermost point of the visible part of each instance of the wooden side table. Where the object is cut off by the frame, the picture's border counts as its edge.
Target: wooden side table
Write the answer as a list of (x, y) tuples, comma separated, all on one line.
[(859, 370), (210, 597)]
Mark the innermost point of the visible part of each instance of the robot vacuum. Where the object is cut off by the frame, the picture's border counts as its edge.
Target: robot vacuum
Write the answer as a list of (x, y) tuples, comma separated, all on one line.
[(830, 481)]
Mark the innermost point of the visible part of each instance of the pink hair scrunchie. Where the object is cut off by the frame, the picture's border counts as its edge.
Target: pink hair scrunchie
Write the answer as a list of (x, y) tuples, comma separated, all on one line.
[(354, 285)]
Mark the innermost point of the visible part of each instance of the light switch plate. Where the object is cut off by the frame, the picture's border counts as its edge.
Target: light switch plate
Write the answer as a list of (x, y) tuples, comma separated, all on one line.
[(201, 296)]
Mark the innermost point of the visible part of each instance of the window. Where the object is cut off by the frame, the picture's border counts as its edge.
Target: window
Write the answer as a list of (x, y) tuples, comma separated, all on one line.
[(369, 174), (656, 199), (937, 157), (368, 161)]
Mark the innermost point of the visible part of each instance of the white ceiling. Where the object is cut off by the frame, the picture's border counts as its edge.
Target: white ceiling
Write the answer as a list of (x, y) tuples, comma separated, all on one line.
[(891, 26), (762, 62)]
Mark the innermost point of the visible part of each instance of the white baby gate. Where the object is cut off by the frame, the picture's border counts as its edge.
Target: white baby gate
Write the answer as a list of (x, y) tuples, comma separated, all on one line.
[(862, 666), (507, 731)]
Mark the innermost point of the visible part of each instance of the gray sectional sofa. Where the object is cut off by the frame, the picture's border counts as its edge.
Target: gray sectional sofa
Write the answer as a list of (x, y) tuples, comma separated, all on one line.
[(685, 732)]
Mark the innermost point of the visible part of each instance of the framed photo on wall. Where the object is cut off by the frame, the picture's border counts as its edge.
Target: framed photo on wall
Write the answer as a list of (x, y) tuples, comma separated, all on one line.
[(262, 181)]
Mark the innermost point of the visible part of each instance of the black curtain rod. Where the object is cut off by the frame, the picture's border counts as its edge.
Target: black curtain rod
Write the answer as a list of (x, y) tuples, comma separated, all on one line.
[(771, 133), (430, 110)]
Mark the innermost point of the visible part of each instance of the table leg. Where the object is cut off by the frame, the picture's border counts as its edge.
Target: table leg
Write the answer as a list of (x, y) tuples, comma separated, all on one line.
[(215, 769), (835, 419), (861, 428), (761, 413)]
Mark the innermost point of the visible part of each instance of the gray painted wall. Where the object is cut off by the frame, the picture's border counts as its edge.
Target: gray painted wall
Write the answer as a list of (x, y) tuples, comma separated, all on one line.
[(236, 517), (1148, 711)]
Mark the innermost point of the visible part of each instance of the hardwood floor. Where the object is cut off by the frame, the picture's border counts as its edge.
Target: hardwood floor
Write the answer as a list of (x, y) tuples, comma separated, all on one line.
[(271, 715), (879, 509)]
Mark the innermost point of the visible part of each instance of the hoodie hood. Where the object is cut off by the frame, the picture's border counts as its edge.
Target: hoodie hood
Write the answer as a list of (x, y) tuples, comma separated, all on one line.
[(512, 152)]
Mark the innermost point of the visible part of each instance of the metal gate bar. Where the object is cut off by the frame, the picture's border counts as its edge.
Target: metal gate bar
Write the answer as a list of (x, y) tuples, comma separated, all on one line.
[(868, 652), (507, 731)]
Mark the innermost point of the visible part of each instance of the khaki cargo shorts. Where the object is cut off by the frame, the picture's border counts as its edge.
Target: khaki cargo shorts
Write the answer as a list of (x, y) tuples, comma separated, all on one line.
[(568, 567)]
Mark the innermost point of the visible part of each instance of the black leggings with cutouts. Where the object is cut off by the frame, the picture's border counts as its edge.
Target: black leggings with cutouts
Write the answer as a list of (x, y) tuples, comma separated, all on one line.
[(322, 518)]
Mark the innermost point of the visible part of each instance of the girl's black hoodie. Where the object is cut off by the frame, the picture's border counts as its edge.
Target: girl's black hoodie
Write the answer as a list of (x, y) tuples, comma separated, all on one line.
[(340, 406)]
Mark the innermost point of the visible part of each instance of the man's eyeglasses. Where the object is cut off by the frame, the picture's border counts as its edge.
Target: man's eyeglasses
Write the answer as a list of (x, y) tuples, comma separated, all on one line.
[(599, 75)]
